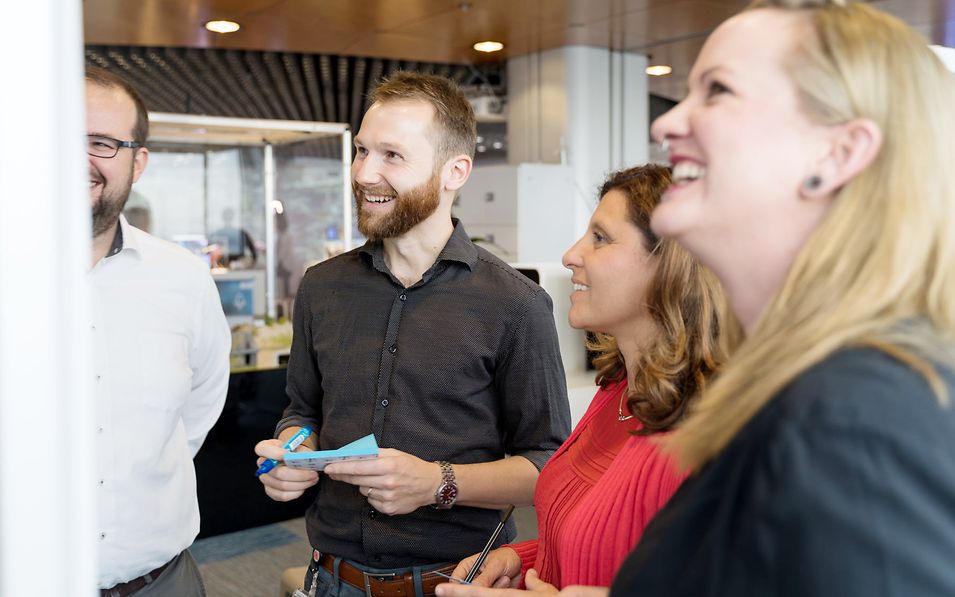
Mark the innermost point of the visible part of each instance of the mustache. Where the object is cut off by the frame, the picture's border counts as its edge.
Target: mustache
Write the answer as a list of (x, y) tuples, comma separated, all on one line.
[(376, 190)]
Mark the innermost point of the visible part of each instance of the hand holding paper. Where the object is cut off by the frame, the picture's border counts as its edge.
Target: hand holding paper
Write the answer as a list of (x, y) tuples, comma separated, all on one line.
[(399, 482), (360, 449)]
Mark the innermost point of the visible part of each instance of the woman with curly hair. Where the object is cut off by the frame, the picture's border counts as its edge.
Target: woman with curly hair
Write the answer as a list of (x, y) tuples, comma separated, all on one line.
[(657, 315)]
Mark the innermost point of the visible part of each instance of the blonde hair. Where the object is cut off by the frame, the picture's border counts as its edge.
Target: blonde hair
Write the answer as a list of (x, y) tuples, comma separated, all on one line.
[(455, 128), (880, 269), (688, 309)]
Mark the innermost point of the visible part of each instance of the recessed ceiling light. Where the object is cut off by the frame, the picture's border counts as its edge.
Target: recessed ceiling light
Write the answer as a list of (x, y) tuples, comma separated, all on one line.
[(222, 26), (488, 46), (659, 70)]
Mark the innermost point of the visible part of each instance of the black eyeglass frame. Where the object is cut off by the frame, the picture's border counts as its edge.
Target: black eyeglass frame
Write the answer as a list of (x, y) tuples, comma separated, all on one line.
[(119, 145)]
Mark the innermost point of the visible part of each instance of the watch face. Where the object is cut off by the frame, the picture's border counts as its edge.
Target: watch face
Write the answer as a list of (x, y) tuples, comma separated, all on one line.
[(447, 494)]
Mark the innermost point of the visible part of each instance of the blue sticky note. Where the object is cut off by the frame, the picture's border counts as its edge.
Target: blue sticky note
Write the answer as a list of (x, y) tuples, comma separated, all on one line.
[(363, 448)]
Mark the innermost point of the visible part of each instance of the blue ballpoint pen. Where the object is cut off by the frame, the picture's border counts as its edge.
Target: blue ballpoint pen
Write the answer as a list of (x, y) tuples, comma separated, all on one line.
[(293, 442)]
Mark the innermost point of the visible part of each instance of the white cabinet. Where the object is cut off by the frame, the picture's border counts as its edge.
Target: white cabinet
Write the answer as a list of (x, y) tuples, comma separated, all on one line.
[(520, 213)]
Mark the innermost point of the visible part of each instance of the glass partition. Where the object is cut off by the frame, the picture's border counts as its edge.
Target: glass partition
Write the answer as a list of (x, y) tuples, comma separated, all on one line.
[(260, 201)]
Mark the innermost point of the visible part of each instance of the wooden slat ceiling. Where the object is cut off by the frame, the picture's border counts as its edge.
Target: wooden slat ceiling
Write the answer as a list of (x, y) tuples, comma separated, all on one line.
[(442, 31)]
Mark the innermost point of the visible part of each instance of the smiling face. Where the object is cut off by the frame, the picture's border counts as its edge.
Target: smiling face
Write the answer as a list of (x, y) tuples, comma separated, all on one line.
[(741, 149), (395, 179), (111, 113), (612, 272)]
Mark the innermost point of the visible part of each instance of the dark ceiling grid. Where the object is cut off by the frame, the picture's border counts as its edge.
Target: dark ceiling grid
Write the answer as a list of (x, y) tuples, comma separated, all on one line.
[(237, 70), (292, 68), (325, 70), (220, 79), (264, 84), (344, 74), (311, 85), (358, 80), (374, 74), (281, 83), (273, 85), (141, 78), (182, 76)]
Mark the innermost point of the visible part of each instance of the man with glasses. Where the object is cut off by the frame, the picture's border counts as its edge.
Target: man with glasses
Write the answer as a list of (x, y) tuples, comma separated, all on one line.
[(161, 365)]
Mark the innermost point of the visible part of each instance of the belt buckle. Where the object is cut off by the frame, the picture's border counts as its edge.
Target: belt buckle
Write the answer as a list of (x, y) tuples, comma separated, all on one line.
[(366, 576)]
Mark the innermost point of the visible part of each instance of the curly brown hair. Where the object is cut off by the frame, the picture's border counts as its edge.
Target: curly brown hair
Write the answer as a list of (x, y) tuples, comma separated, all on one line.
[(688, 309)]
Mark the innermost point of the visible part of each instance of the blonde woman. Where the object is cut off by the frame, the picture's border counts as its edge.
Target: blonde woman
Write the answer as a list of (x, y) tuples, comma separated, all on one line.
[(812, 174)]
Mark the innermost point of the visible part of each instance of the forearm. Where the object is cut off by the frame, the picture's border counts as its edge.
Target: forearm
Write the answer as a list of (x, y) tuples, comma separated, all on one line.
[(496, 484)]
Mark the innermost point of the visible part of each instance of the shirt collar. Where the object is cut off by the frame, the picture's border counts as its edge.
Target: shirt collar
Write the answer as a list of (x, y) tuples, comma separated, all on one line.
[(458, 248), (123, 239)]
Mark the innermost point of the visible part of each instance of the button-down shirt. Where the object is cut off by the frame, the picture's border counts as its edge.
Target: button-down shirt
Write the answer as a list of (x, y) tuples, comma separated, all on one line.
[(462, 366), (161, 368)]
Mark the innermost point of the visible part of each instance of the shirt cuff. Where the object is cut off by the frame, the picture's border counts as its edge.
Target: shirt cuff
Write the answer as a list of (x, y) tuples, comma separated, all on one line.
[(294, 421), (537, 457)]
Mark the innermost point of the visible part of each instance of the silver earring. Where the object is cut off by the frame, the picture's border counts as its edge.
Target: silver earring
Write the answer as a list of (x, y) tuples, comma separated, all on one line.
[(812, 183), (665, 145)]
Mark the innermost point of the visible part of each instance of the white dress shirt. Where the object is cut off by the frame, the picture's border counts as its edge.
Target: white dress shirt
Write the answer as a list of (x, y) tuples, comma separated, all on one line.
[(161, 365)]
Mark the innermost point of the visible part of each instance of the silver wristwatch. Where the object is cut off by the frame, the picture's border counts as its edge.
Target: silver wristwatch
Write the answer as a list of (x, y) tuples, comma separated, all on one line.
[(447, 492)]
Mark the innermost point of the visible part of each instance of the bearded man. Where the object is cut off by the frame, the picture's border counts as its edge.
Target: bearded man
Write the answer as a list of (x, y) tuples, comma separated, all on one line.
[(161, 365), (442, 351)]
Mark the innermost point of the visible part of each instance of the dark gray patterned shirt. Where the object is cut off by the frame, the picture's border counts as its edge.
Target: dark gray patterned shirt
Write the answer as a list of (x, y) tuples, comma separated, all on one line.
[(462, 366)]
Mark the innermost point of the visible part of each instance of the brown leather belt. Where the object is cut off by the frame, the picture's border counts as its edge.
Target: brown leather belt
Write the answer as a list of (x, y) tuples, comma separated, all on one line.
[(385, 585), (130, 587)]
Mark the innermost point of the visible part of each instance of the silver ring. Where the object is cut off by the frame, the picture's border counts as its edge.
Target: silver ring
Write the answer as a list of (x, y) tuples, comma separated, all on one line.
[(368, 495)]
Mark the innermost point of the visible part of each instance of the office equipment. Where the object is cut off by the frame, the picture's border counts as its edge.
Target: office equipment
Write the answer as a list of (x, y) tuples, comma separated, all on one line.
[(242, 293)]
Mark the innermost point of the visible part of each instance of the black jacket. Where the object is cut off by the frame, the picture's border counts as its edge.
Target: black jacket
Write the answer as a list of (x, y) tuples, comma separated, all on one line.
[(843, 485)]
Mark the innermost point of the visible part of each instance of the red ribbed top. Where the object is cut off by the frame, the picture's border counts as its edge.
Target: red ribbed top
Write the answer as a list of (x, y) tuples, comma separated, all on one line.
[(595, 496)]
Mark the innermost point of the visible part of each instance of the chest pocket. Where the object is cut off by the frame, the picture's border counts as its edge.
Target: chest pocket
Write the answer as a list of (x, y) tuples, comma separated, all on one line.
[(165, 374)]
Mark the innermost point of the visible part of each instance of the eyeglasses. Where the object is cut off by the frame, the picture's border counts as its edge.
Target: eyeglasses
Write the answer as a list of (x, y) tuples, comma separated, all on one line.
[(107, 147)]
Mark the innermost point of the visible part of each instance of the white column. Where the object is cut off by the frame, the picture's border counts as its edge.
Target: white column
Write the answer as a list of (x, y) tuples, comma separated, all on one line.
[(47, 513), (582, 106)]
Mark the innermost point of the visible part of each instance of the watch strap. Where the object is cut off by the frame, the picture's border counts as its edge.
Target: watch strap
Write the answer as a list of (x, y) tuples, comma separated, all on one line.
[(447, 492)]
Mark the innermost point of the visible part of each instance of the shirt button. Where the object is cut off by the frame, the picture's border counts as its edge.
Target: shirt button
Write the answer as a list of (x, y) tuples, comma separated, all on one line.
[(99, 430), (98, 376), (393, 348), (372, 514), (102, 536), (403, 296), (384, 402), (101, 481)]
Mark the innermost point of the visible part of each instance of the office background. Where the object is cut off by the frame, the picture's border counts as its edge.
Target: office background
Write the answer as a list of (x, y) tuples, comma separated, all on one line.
[(572, 74)]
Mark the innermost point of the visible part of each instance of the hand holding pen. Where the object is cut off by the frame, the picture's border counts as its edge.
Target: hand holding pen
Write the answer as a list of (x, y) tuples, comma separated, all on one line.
[(282, 483), (490, 544), (294, 442), (501, 567)]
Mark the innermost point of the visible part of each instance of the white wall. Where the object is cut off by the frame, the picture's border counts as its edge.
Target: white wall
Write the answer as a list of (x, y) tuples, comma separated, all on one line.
[(581, 106)]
